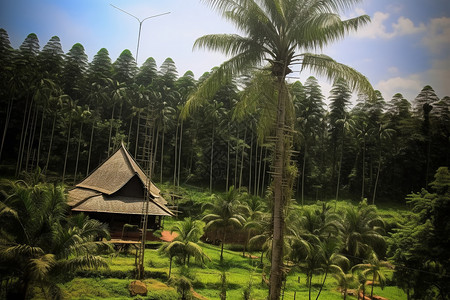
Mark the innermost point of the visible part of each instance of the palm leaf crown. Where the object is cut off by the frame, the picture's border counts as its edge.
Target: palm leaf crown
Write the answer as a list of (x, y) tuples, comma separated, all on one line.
[(279, 34)]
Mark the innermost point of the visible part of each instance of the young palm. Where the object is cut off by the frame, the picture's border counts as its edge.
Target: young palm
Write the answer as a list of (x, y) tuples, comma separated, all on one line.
[(374, 267), (224, 214), (185, 244), (278, 35), (38, 243)]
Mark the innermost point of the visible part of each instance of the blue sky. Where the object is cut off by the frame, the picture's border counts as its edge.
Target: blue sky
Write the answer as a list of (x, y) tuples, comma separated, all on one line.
[(404, 48)]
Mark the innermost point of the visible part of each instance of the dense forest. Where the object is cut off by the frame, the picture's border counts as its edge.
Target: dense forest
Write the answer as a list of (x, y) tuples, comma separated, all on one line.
[(65, 115)]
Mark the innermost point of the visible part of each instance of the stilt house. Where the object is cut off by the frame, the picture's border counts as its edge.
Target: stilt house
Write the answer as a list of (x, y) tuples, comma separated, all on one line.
[(114, 193)]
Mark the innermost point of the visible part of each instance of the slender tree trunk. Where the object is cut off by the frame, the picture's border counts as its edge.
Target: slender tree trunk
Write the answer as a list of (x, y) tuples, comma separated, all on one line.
[(129, 133), (264, 173), (175, 157), (51, 142), (250, 165), (31, 138), (259, 172), (373, 283), (211, 157), (255, 186), (8, 117), (223, 242), (67, 147), (162, 155), (110, 127), (323, 283), (137, 134), (155, 152), (236, 157), (303, 173), (22, 138), (40, 137), (78, 153), (340, 168), (179, 152), (90, 147), (363, 169), (278, 195), (242, 157), (170, 266), (228, 159), (376, 180)]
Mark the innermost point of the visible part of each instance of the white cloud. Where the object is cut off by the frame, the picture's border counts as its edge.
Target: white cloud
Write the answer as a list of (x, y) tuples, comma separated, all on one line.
[(377, 28), (437, 39), (409, 86)]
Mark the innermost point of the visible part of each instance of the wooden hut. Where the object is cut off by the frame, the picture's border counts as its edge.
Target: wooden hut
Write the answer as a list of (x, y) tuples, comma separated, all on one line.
[(114, 193)]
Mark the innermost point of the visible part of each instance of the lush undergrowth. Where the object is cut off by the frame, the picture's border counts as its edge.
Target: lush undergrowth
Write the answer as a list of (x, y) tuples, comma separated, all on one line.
[(243, 274), (240, 274)]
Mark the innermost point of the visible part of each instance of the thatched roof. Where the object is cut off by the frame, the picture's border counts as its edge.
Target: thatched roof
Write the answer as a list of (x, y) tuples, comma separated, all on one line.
[(117, 186)]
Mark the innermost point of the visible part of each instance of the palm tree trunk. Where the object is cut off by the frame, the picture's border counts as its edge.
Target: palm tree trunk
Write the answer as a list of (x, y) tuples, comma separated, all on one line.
[(340, 165), (78, 154), (211, 160), (110, 127), (303, 172), (259, 172), (8, 117), (228, 159), (278, 196), (22, 133), (90, 147), (137, 134), (323, 283), (363, 169), (67, 147), (170, 266), (40, 137), (51, 142), (162, 155), (179, 152), (264, 173), (376, 180), (250, 165), (156, 151), (255, 185), (223, 242), (175, 157), (242, 157), (373, 283), (236, 157)]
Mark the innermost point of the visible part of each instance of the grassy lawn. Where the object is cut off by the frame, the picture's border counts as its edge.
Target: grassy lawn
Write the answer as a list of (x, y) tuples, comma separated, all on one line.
[(240, 272)]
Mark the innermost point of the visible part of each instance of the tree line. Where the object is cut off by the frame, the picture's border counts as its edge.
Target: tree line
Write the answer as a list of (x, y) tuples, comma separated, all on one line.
[(66, 115)]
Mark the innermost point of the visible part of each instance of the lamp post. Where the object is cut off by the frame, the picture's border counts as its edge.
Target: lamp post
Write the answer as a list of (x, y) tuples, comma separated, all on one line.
[(140, 25)]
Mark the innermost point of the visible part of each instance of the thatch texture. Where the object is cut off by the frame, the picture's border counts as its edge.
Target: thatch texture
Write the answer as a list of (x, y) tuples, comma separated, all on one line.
[(117, 186)]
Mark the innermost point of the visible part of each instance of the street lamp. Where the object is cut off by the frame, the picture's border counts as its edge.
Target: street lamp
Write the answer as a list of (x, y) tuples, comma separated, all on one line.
[(140, 25)]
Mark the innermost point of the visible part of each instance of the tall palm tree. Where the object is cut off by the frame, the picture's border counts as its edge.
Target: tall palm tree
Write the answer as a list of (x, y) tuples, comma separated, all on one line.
[(276, 32), (223, 214)]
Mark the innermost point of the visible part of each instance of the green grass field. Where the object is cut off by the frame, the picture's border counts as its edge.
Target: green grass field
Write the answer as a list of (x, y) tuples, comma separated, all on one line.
[(240, 273)]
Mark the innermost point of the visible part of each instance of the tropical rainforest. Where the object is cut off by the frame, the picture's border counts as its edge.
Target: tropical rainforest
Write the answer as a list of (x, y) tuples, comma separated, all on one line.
[(277, 154)]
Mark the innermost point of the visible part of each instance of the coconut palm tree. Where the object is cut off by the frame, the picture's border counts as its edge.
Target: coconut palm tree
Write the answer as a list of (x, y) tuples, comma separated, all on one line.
[(185, 244), (344, 280), (374, 267), (278, 35), (363, 231), (223, 214)]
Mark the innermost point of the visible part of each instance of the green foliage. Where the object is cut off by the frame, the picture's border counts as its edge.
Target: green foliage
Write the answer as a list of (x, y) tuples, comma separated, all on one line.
[(419, 248)]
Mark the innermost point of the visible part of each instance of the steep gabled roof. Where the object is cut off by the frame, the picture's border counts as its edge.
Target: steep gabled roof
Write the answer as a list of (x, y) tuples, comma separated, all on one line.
[(115, 172), (99, 192)]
